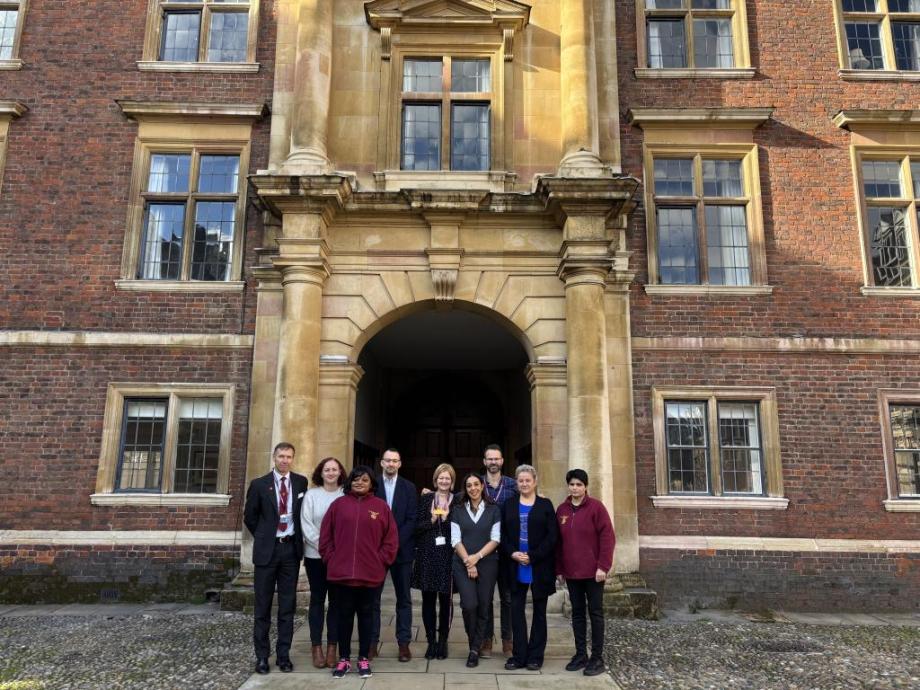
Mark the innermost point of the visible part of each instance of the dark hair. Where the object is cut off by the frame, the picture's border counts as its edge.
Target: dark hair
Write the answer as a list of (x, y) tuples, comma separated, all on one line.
[(461, 497), (491, 446), (284, 445), (580, 475), (357, 472), (391, 450), (317, 476)]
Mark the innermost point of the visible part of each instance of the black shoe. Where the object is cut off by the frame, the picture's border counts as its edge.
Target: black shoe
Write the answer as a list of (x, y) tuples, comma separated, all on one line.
[(262, 666), (512, 665), (284, 663), (534, 666), (441, 651), (472, 661), (431, 651), (578, 662), (595, 667)]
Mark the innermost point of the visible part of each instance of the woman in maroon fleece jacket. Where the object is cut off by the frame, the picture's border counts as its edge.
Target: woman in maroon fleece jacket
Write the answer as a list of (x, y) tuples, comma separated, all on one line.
[(358, 541), (584, 556)]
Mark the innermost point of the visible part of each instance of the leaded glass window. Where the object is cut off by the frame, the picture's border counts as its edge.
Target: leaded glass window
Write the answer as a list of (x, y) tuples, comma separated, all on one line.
[(882, 34), (198, 445), (687, 447), (905, 430), (204, 30), (690, 33), (10, 13), (890, 192), (143, 437), (740, 447)]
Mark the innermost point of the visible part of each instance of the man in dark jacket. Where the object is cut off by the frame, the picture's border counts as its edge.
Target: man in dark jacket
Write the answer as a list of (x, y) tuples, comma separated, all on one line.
[(402, 498), (272, 516)]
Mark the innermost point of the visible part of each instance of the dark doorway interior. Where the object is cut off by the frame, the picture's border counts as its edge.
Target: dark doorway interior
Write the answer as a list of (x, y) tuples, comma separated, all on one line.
[(440, 385)]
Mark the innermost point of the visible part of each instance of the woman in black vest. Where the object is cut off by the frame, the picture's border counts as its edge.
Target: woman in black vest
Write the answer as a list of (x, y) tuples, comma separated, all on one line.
[(475, 530), (529, 535)]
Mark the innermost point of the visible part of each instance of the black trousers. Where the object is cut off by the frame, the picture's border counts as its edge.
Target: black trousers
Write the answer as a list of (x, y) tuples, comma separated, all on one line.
[(401, 575), (527, 649), (352, 601), (475, 597), (319, 593), (440, 618), (590, 592), (281, 574), (504, 599)]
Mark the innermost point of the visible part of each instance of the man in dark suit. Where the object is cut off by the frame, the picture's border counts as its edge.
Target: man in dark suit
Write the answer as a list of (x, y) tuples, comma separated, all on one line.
[(272, 514), (401, 496)]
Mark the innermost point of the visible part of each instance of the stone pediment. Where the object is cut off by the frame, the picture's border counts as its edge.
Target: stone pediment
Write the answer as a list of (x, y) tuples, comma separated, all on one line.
[(395, 14)]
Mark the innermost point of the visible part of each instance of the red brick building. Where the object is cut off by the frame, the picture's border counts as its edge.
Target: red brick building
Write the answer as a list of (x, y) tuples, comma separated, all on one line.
[(674, 242)]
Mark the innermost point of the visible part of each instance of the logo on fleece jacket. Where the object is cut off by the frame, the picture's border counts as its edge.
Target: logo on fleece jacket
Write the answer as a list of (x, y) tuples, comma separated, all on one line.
[(373, 514)]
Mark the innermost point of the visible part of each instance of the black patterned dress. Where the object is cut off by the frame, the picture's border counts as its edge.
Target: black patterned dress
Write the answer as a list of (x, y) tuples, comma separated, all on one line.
[(431, 570)]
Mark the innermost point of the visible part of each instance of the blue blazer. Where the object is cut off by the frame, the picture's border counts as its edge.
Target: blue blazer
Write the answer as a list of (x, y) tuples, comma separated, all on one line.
[(405, 507)]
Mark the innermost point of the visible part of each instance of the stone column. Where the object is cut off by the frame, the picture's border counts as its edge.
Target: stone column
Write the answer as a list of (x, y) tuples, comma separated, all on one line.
[(579, 92), (335, 433), (549, 411), (312, 88)]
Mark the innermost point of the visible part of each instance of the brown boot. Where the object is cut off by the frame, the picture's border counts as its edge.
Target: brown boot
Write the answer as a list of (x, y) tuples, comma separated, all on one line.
[(373, 650), (485, 650), (404, 653), (331, 655), (319, 661), (507, 648)]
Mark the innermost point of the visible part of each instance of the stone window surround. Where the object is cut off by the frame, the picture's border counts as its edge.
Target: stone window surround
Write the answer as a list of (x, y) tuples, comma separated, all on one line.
[(15, 63), (769, 430), (9, 110), (879, 134), (712, 132), (105, 494), (741, 70), (151, 51), (847, 73), (181, 127), (886, 397)]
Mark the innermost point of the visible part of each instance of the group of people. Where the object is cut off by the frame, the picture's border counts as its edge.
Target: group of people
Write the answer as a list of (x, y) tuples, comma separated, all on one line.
[(491, 530)]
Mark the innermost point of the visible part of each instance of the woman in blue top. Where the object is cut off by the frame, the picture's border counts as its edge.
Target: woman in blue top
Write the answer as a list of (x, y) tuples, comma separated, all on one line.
[(529, 535)]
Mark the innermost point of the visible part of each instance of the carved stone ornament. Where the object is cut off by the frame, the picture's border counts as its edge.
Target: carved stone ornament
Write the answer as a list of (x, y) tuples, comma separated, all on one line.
[(445, 281), (504, 14)]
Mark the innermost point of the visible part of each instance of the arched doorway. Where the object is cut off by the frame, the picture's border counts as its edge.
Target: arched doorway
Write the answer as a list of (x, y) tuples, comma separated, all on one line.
[(440, 385)]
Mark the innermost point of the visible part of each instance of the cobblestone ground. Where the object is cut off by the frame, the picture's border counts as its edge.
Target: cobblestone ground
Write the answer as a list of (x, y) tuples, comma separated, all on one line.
[(715, 655), (149, 652)]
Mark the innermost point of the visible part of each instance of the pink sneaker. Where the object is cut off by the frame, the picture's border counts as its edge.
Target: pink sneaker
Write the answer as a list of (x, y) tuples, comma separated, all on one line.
[(364, 668), (341, 668)]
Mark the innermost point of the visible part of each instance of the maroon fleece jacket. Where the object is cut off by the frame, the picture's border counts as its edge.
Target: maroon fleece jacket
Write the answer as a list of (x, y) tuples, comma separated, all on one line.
[(586, 539), (358, 541)]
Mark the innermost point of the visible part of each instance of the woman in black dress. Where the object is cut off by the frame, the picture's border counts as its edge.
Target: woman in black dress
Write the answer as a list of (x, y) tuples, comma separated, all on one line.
[(431, 571)]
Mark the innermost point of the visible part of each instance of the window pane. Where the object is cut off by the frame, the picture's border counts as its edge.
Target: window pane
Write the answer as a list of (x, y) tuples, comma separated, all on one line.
[(882, 179), (161, 248), (905, 429), (667, 45), (421, 137), (864, 45), (727, 237), (142, 439), (469, 76), (889, 250), (711, 4), (664, 4), (219, 174), (712, 43), (213, 248), (860, 5), (198, 446), (674, 177), (169, 172), (180, 36), (422, 75), (903, 5), (722, 178), (229, 37), (687, 447), (906, 45), (739, 439), (677, 246), (915, 174), (469, 138), (8, 20)]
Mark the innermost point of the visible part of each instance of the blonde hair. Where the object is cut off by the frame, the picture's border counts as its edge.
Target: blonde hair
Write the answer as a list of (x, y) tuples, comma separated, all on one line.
[(441, 469), (526, 468)]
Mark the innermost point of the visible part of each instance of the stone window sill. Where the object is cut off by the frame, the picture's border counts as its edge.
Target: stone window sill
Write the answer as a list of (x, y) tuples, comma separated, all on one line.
[(10, 65), (721, 502), (872, 291), (179, 285), (709, 290), (161, 500), (225, 67), (877, 75), (495, 181), (903, 505), (694, 73)]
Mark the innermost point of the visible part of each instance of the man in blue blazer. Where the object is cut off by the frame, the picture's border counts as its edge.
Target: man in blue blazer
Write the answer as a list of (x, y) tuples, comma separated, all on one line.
[(272, 515), (400, 494)]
